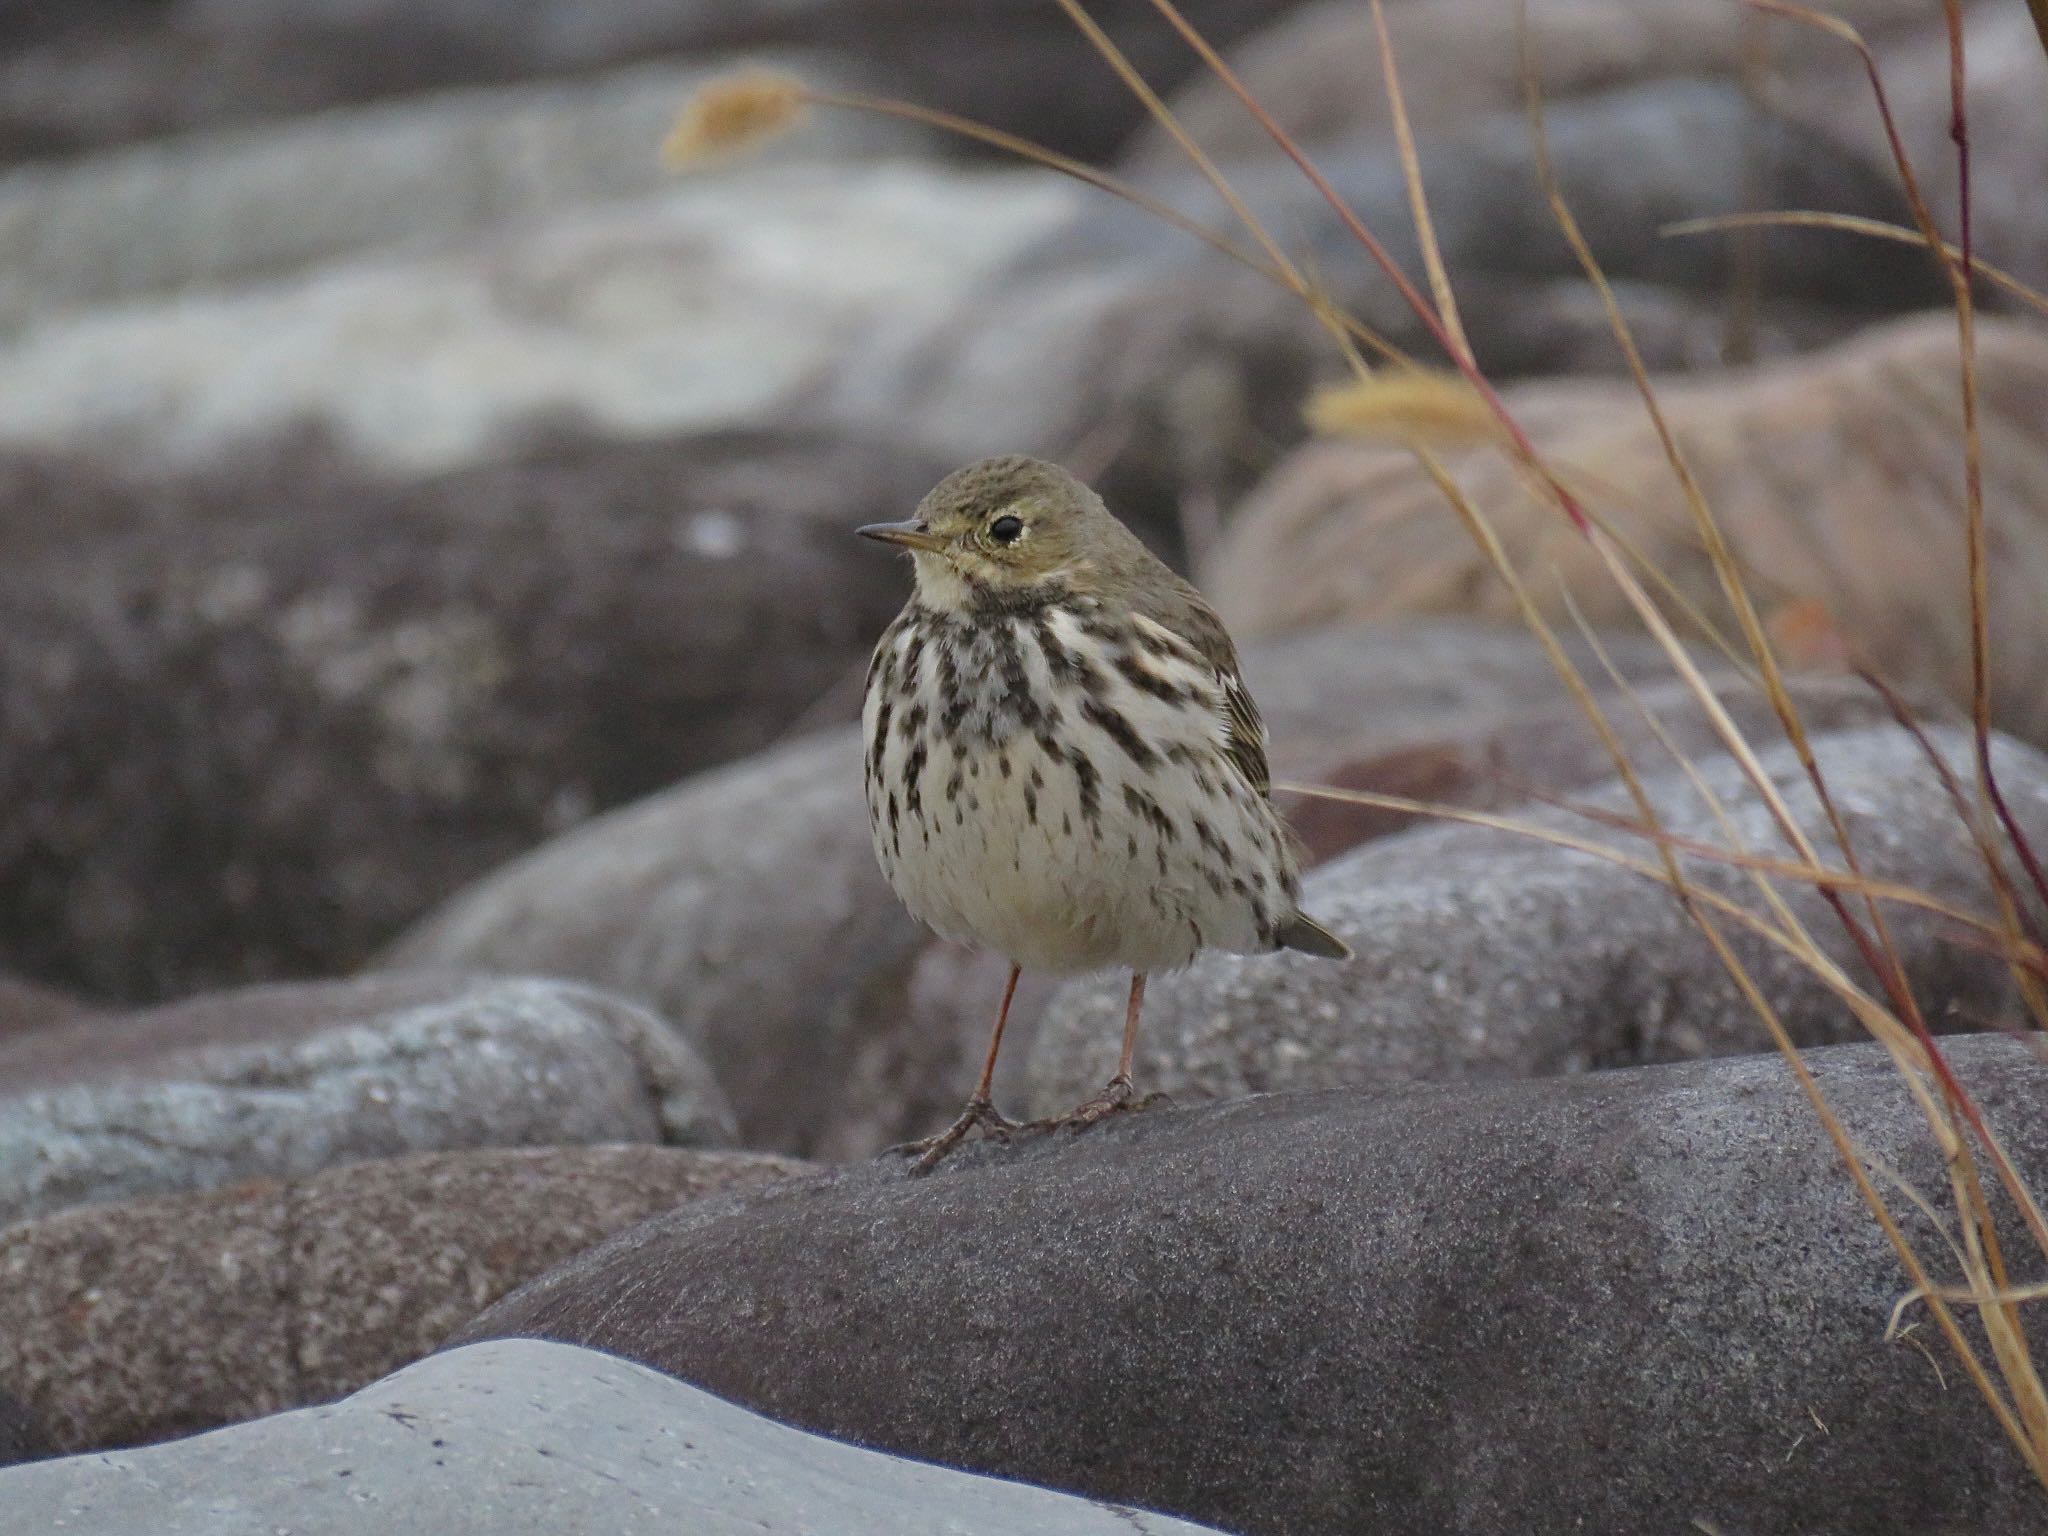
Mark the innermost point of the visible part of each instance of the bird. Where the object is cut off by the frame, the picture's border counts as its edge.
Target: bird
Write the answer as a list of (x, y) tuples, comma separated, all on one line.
[(1062, 763)]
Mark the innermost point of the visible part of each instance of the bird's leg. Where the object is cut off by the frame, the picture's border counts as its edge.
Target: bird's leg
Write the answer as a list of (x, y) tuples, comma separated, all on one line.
[(1117, 1093), (980, 1110)]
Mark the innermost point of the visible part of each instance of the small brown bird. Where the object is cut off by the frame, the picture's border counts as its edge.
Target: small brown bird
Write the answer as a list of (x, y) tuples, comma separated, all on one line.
[(1062, 763)]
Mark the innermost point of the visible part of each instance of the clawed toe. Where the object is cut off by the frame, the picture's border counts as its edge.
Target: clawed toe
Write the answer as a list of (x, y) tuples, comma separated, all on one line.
[(1116, 1098), (978, 1115)]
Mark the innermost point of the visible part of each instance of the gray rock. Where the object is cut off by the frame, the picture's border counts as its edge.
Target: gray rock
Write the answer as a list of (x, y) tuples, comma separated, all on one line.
[(529, 1439), (1623, 1302), (260, 718), (123, 1324), (1486, 954), (701, 307), (744, 905), (228, 207), (287, 1080)]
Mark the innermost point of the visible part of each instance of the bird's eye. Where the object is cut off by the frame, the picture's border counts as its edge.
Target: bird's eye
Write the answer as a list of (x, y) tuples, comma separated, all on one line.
[(1004, 530)]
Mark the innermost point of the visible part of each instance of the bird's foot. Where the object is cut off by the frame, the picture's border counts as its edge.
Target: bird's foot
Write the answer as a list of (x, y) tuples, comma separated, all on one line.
[(978, 1115), (1117, 1098)]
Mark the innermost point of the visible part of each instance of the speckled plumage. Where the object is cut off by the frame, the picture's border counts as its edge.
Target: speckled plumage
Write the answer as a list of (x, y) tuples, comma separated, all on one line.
[(1062, 763)]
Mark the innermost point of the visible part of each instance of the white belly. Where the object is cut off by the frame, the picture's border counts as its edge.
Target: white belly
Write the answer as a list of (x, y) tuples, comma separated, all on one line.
[(1012, 843)]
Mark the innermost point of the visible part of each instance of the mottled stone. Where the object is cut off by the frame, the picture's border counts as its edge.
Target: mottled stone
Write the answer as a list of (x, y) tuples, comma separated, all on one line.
[(262, 716), (291, 1079), (123, 1324)]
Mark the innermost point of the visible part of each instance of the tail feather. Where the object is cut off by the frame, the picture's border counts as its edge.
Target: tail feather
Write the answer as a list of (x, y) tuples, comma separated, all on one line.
[(1304, 933)]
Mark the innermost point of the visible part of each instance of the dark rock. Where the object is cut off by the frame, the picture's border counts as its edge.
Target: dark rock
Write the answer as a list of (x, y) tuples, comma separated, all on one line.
[(520, 1436), (1622, 1302), (123, 1324), (254, 725), (1485, 953), (111, 70), (291, 1079)]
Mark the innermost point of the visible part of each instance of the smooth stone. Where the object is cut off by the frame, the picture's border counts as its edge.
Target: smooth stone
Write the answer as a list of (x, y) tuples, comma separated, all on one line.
[(520, 1438)]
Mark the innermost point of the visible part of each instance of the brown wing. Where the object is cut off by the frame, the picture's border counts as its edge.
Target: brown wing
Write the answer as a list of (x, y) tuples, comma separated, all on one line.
[(1175, 605)]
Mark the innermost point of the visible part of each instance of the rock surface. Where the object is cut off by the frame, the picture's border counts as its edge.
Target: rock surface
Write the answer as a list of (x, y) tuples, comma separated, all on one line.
[(1837, 480), (1614, 1303), (528, 1439), (260, 718), (1483, 953), (123, 1324), (291, 1079)]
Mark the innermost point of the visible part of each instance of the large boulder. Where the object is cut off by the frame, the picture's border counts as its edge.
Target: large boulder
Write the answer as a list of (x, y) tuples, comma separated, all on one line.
[(1837, 479), (287, 1080), (746, 904), (261, 717), (1484, 953), (1623, 1302), (520, 1436), (122, 1324)]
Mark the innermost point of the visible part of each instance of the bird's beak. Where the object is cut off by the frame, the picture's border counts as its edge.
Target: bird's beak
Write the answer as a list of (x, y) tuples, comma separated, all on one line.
[(909, 535)]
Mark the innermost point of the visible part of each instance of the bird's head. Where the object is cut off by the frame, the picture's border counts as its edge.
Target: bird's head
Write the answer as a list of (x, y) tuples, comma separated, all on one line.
[(1007, 530)]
